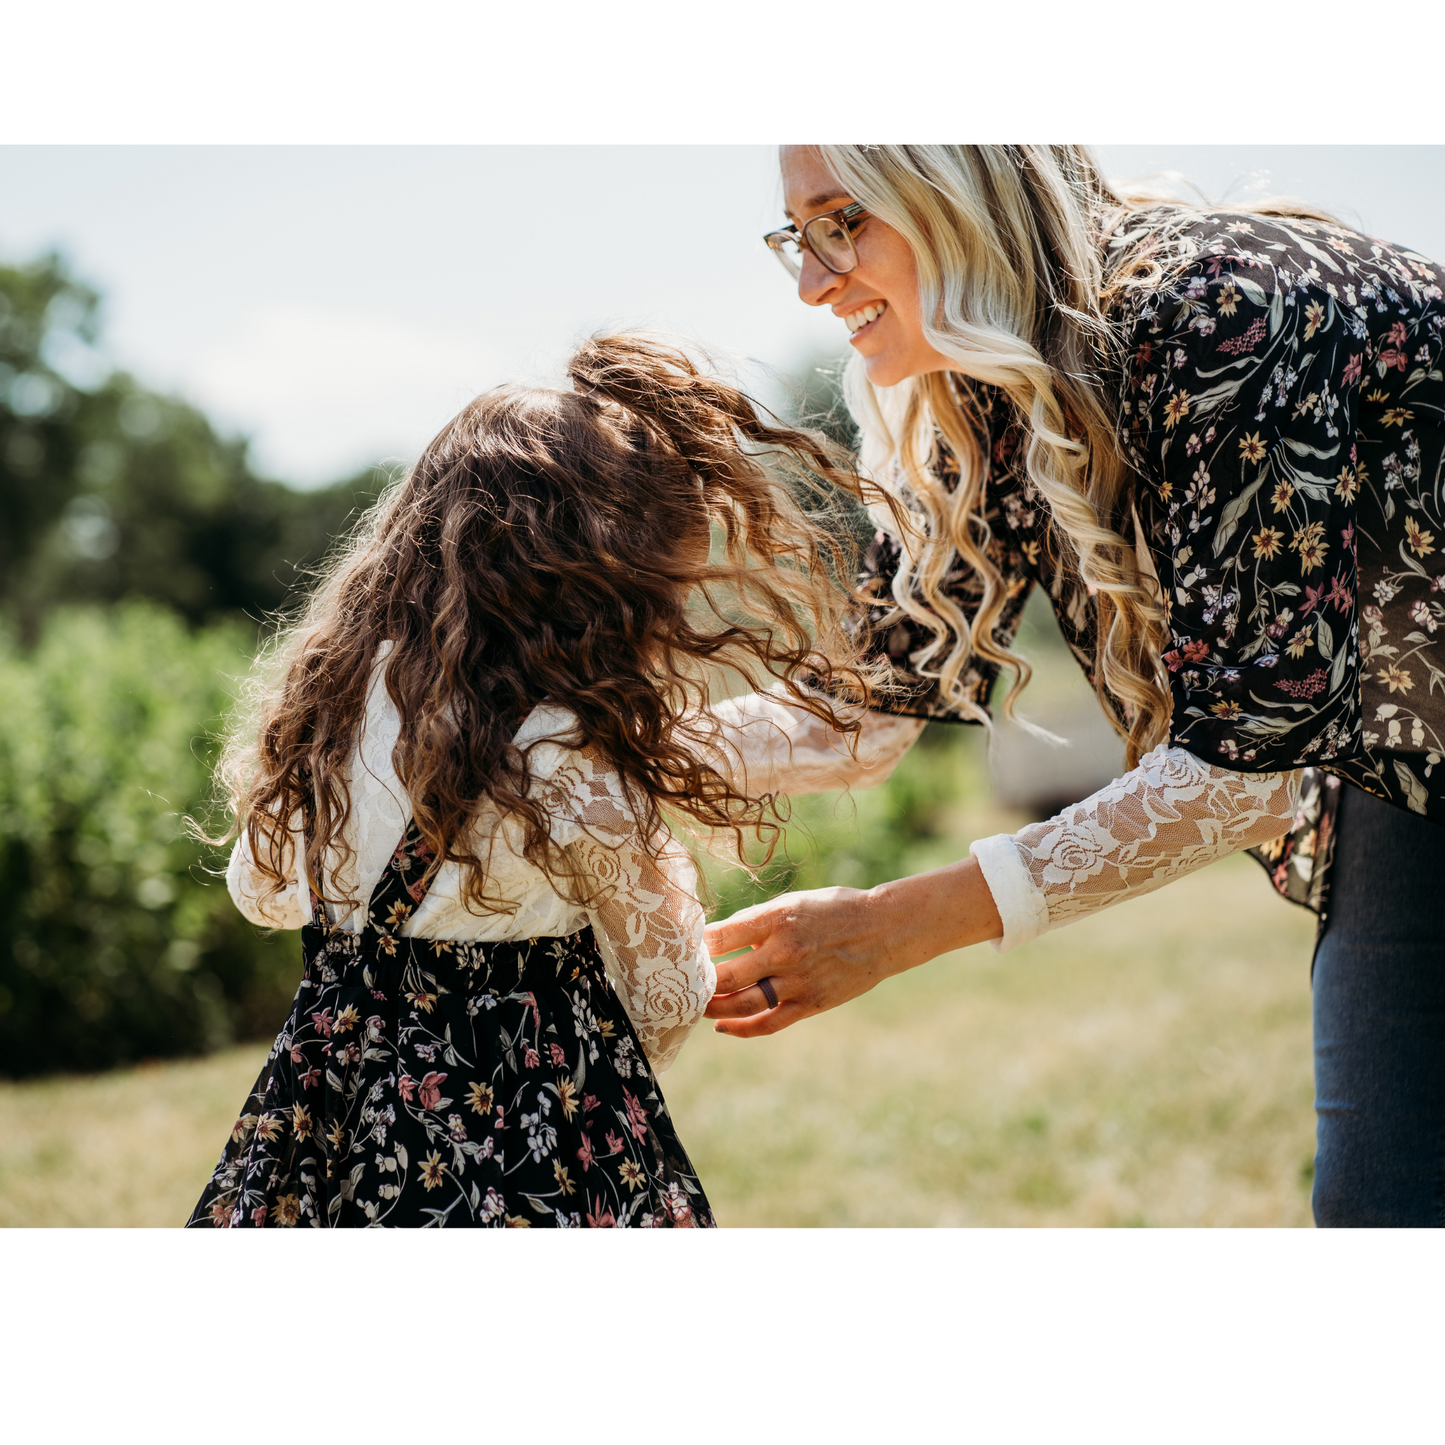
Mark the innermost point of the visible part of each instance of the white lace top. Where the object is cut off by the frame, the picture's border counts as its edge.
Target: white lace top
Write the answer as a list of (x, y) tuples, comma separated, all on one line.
[(649, 926), (1169, 816)]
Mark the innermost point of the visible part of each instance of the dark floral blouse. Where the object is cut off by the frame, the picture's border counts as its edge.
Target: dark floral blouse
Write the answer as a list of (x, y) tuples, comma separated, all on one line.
[(1281, 399)]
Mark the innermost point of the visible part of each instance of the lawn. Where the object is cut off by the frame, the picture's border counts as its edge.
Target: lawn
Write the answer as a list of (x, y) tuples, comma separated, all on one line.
[(1149, 1066)]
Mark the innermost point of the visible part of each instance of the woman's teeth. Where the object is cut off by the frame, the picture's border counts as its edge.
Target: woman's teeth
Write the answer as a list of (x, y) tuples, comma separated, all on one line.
[(860, 319)]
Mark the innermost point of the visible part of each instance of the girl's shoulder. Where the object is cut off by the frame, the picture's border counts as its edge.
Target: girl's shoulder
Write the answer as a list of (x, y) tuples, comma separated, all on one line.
[(579, 786)]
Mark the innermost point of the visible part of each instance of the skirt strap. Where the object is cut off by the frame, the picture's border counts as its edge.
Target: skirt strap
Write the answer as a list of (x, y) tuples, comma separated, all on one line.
[(402, 887)]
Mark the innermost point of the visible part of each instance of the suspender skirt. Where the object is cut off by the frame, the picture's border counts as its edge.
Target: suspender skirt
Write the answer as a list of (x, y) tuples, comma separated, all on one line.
[(423, 1082)]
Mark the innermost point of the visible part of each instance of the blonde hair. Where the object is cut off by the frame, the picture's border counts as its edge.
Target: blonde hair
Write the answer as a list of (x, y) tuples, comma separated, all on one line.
[(1012, 289)]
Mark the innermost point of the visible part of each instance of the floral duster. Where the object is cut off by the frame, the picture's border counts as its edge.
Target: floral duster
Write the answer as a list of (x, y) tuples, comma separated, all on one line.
[(1282, 402), (422, 1082)]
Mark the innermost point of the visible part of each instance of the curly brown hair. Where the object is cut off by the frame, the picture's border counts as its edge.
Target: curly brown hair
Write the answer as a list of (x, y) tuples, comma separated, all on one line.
[(553, 546)]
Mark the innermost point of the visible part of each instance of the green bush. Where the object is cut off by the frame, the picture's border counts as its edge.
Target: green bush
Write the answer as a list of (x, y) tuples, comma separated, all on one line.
[(120, 942)]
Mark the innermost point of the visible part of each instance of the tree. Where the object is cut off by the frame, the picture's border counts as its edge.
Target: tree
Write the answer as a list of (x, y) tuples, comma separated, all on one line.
[(109, 491)]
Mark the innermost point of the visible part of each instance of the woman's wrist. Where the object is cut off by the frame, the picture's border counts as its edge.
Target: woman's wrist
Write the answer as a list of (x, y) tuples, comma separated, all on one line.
[(936, 912)]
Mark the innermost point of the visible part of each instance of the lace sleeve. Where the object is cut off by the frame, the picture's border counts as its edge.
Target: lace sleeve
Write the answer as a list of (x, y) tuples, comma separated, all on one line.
[(252, 894), (1171, 815), (648, 919), (768, 745)]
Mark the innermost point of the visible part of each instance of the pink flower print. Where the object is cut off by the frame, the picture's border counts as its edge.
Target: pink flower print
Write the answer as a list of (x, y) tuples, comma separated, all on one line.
[(614, 1144), (1354, 369), (296, 1055), (431, 1090), (406, 1086), (499, 1123), (558, 1057), (589, 1103), (323, 1022), (310, 1078), (602, 1219), (636, 1114), (531, 1058), (258, 1216), (1397, 334), (536, 1012), (1340, 595), (585, 1153)]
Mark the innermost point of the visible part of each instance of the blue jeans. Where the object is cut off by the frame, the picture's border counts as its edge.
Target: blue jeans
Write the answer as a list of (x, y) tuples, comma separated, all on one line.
[(1379, 1018)]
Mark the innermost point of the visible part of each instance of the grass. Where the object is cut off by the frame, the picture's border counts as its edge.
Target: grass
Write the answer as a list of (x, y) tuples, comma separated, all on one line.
[(1149, 1066)]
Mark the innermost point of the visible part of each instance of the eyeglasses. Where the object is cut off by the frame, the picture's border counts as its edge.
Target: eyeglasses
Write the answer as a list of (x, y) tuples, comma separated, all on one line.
[(829, 237)]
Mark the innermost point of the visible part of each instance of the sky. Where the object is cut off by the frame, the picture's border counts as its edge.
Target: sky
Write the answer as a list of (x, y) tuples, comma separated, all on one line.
[(338, 304)]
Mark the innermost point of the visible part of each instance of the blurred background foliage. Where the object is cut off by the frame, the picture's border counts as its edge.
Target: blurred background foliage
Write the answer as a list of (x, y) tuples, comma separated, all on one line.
[(139, 555)]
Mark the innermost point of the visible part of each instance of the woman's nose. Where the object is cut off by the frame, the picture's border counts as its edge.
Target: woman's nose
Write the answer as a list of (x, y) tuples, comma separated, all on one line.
[(816, 283)]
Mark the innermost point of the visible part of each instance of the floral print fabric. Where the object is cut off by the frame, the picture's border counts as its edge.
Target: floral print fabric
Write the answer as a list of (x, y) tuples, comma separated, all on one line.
[(1283, 404), (422, 1082)]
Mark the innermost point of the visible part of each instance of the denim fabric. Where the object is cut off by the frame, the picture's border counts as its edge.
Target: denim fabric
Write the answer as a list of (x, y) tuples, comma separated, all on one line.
[(1379, 1020)]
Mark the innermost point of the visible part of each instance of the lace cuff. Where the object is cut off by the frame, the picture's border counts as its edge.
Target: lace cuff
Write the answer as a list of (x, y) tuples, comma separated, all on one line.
[(1171, 815), (1020, 904)]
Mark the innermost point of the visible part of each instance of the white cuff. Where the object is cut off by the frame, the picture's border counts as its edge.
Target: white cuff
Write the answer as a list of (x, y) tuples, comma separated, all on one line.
[(1020, 903)]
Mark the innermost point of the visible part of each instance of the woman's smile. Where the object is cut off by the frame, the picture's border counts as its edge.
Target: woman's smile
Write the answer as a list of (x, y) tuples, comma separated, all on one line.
[(861, 319)]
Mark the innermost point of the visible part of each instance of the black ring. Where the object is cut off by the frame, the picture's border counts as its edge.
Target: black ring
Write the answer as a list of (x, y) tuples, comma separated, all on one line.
[(766, 984)]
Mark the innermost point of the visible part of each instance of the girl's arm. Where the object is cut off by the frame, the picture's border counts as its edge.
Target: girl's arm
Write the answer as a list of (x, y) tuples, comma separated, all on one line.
[(1171, 815), (253, 894), (647, 917), (649, 929), (766, 744)]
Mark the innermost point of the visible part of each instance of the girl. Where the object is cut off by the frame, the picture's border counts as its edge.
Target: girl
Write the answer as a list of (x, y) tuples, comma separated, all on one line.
[(456, 790), (1217, 440)]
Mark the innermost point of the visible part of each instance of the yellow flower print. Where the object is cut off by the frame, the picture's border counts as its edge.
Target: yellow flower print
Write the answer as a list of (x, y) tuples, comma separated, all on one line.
[(567, 1097), (348, 1018), (480, 1097), (398, 913), (1378, 395), (1397, 416), (1397, 676), (1309, 542), (336, 1136), (1347, 484), (268, 1127), (1251, 448), (1422, 543), (1225, 709), (1283, 496), (1300, 641), (1314, 319), (287, 1211), (515, 1221), (564, 1183), (301, 1120), (1228, 300), (433, 1170), (1176, 408), (1266, 542), (631, 1174)]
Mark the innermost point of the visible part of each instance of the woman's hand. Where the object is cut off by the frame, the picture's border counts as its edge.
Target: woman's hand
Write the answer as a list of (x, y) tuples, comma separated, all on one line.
[(824, 947)]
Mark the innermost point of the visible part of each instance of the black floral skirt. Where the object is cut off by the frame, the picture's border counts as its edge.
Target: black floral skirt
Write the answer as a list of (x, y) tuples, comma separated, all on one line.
[(424, 1082)]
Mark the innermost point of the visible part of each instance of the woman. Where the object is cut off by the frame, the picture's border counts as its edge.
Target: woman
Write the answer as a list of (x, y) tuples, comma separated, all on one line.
[(1216, 440)]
